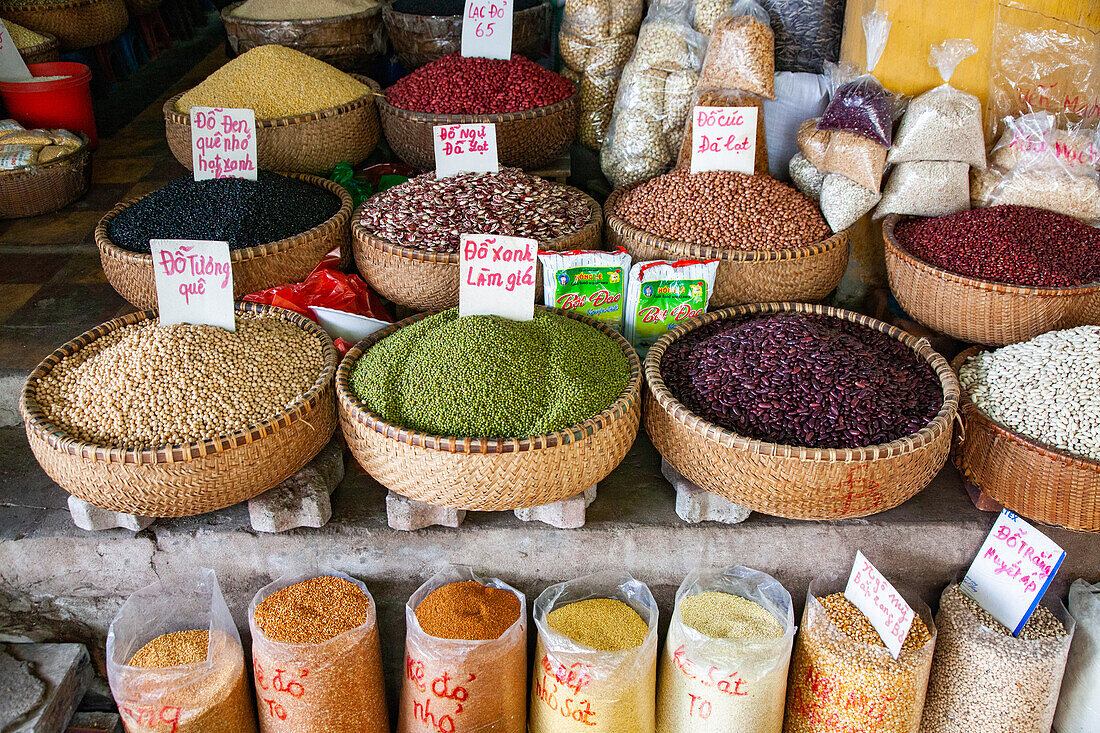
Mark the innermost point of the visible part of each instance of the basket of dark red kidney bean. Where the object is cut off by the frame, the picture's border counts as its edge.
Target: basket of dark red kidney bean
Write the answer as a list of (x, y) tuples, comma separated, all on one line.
[(536, 112), (995, 276), (799, 410)]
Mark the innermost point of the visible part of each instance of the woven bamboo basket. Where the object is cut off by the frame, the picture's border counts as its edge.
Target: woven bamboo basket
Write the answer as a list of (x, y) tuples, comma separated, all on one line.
[(801, 274), (490, 474), (420, 39), (77, 24), (982, 311), (42, 53), (182, 480), (790, 481), (348, 42), (264, 266), (530, 139), (139, 8), (48, 187), (424, 280), (1028, 477), (312, 143)]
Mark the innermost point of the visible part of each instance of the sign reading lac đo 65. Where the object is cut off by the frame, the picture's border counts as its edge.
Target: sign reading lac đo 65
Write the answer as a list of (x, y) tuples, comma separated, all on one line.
[(194, 280), (223, 143), (487, 29)]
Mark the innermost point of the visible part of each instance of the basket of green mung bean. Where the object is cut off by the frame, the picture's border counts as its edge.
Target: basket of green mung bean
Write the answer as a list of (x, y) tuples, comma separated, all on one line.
[(484, 413)]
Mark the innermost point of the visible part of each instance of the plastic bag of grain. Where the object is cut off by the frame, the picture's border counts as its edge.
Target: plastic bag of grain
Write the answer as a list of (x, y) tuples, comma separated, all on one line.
[(862, 105), (724, 667), (856, 157), (1079, 700), (465, 656), (1043, 181), (926, 188), (174, 660), (813, 142), (741, 52), (844, 202), (596, 657), (316, 660), (798, 97)]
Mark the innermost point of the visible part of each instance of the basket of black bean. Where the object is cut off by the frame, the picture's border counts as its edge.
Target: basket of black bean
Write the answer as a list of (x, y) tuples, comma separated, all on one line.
[(486, 413), (800, 411), (406, 238), (278, 228), (170, 421)]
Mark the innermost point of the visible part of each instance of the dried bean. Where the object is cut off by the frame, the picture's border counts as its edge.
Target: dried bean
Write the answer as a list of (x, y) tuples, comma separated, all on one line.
[(741, 54), (844, 202)]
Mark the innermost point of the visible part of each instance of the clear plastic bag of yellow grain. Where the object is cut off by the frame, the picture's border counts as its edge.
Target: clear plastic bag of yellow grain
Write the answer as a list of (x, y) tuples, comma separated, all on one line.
[(175, 663), (843, 677), (724, 666), (316, 659), (596, 657)]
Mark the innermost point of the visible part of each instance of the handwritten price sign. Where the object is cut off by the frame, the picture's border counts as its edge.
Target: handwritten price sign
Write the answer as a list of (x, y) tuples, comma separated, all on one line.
[(880, 602), (223, 143), (487, 29), (724, 139), (561, 689), (465, 149), (1012, 571), (12, 66), (194, 282), (497, 276)]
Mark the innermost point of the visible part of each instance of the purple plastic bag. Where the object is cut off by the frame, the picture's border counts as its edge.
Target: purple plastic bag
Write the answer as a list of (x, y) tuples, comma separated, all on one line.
[(862, 106)]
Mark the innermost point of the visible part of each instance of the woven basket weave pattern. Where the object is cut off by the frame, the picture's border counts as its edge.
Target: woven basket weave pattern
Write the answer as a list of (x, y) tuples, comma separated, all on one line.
[(256, 268), (1034, 480), (347, 42), (42, 53), (47, 187), (804, 274), (489, 474), (789, 481), (181, 481), (980, 311), (77, 25)]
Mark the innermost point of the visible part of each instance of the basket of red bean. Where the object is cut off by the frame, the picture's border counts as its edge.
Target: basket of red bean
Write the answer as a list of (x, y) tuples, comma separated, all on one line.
[(801, 411), (536, 112), (995, 276), (771, 242)]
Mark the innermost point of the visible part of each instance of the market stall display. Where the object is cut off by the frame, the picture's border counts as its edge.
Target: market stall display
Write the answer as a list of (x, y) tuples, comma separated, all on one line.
[(41, 170), (33, 46), (77, 24)]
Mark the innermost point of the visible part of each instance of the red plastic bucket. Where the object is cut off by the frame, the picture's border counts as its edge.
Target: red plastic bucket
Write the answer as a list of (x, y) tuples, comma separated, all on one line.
[(63, 103)]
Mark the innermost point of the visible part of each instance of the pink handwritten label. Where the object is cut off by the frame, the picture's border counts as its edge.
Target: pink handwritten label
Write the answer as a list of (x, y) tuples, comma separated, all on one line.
[(487, 29), (280, 690), (223, 143), (1049, 97), (880, 602), (465, 149), (562, 690), (194, 281), (497, 276), (724, 139)]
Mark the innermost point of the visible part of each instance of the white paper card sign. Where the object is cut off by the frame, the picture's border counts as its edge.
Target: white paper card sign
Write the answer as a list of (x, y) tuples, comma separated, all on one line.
[(12, 65), (497, 276), (194, 280), (1012, 571), (223, 143), (880, 602), (487, 29), (724, 139), (465, 149)]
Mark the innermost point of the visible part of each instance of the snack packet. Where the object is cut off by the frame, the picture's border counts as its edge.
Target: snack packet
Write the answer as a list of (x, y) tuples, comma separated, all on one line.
[(591, 283), (661, 294)]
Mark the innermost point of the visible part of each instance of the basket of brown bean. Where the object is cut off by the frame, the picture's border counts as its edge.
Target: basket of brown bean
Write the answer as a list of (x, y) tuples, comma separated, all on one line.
[(44, 187), (278, 229), (771, 242), (77, 24), (799, 410), (406, 238), (997, 275), (171, 421)]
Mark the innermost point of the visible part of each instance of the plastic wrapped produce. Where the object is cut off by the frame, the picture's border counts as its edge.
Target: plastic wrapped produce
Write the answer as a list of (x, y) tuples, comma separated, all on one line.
[(807, 33), (798, 97), (862, 105), (1079, 700), (741, 53), (984, 679), (727, 98), (724, 666), (1035, 135), (926, 188), (806, 177), (1046, 184), (813, 142), (855, 157), (844, 202)]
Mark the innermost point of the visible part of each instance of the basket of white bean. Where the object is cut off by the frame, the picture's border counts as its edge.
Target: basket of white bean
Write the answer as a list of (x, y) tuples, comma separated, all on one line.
[(1032, 426)]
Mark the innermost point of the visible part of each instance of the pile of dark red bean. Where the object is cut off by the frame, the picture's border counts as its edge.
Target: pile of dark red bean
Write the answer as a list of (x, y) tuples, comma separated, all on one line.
[(459, 85), (1017, 245), (804, 380)]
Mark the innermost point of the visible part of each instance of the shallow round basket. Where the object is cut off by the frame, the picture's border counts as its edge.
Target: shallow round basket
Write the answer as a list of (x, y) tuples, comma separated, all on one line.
[(43, 53), (182, 480), (530, 139), (424, 280), (1035, 480), (348, 42), (40, 189), (420, 39), (490, 474), (311, 143), (982, 311), (801, 274), (77, 24), (264, 266), (790, 481)]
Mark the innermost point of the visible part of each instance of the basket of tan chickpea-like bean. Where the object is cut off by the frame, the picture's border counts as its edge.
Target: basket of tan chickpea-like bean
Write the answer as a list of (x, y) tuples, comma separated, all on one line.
[(174, 420)]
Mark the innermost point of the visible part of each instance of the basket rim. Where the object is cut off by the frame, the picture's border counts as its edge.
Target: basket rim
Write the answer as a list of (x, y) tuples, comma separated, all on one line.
[(701, 251), (387, 9), (56, 6), (72, 158), (497, 118), (405, 252), (926, 436), (893, 246), (970, 410), (35, 419), (353, 406), (174, 117), (227, 16), (50, 42), (336, 222)]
